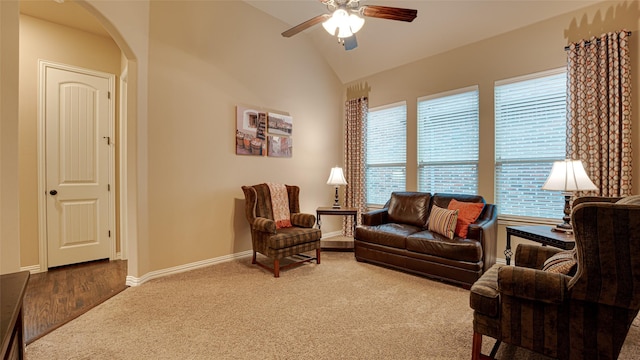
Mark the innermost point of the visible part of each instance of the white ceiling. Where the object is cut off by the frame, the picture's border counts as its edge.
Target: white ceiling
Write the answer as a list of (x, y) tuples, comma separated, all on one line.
[(441, 25)]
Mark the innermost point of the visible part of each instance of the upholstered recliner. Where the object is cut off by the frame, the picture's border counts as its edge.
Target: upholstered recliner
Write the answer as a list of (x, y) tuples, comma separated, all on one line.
[(584, 316), (280, 243)]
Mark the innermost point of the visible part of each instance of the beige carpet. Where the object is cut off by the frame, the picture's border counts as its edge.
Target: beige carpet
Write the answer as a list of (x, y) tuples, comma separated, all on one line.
[(340, 309)]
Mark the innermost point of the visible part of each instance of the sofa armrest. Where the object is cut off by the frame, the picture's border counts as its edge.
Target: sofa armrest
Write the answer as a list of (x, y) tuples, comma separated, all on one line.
[(533, 256), (531, 284), (485, 230), (303, 220), (264, 225), (488, 219), (375, 217)]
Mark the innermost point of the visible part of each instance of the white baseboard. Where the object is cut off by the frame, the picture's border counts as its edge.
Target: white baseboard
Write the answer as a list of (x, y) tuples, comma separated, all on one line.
[(135, 281), (33, 269), (501, 261)]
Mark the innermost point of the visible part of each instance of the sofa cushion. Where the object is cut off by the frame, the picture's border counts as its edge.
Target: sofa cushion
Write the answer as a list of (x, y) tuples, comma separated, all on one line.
[(630, 200), (442, 200), (468, 212), (443, 221), (390, 234), (564, 262), (427, 242), (410, 208), (291, 236)]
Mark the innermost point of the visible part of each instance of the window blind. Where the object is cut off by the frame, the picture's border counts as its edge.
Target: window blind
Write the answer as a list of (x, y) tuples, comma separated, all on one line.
[(386, 152), (448, 142), (530, 128)]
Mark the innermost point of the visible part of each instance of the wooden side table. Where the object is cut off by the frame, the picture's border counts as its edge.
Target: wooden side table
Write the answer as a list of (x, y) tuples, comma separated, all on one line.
[(12, 289), (541, 234), (345, 211)]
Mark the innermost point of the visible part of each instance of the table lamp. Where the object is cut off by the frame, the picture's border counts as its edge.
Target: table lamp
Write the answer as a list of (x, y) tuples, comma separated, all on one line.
[(336, 178), (568, 176)]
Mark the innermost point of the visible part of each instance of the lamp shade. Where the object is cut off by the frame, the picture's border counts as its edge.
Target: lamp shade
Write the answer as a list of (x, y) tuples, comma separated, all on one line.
[(355, 23), (568, 175), (336, 177)]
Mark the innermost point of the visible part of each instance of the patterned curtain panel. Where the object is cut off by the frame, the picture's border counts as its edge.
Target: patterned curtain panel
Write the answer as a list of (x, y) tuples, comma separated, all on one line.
[(354, 149), (599, 110)]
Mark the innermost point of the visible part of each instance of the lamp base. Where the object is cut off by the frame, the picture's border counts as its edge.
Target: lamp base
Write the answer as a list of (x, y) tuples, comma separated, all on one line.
[(336, 203), (563, 229)]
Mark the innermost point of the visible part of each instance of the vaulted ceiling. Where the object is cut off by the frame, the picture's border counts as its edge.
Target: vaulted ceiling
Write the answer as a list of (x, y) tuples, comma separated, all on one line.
[(441, 25)]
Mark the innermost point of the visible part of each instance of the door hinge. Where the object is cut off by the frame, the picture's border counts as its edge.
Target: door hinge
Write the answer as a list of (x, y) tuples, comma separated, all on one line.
[(108, 187), (109, 95), (108, 139), (109, 233)]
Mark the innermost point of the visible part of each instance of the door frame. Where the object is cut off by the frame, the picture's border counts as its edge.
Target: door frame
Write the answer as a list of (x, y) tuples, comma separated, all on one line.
[(43, 65), (123, 215)]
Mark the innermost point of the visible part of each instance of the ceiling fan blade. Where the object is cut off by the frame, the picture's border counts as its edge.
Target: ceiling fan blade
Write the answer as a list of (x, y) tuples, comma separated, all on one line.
[(390, 13), (350, 42), (305, 25)]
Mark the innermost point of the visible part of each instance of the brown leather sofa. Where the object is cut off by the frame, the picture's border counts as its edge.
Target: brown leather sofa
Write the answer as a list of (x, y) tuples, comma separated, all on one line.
[(397, 237)]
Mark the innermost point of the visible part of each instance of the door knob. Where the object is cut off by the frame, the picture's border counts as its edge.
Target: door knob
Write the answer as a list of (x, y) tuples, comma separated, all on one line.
[(53, 192)]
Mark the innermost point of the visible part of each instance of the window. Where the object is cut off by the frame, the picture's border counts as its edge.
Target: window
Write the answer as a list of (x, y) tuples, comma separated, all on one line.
[(530, 125), (386, 154), (448, 142)]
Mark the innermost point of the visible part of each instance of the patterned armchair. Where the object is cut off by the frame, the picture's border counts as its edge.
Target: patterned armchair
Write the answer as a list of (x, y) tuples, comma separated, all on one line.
[(584, 316), (280, 243)]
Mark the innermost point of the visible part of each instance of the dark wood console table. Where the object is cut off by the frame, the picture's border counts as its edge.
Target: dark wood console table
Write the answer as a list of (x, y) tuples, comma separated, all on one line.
[(12, 289), (538, 233), (346, 211)]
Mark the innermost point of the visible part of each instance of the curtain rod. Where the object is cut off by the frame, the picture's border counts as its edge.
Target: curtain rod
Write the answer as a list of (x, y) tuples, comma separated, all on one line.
[(589, 42)]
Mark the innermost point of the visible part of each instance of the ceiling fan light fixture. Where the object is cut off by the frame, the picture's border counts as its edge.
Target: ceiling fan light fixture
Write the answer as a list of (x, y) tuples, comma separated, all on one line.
[(330, 25), (344, 32), (346, 18), (344, 24), (355, 23)]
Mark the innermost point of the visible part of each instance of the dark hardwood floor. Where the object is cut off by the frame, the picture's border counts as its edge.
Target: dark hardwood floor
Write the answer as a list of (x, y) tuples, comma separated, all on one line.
[(60, 295)]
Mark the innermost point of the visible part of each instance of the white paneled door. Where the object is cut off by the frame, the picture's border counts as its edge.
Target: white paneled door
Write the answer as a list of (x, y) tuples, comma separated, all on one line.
[(78, 112)]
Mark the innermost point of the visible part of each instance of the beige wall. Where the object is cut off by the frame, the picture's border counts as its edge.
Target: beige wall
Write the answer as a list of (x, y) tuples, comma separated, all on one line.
[(9, 203), (43, 40), (528, 50), (190, 206), (204, 59)]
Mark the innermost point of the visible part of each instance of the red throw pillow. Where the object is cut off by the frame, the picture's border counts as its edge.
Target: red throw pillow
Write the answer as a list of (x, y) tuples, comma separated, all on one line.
[(467, 214)]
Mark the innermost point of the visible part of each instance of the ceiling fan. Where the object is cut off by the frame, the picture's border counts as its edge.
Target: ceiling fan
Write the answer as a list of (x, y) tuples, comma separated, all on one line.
[(345, 19)]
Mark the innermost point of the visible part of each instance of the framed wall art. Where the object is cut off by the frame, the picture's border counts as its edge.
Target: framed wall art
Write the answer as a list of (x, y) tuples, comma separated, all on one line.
[(279, 124), (263, 133), (279, 146), (251, 127)]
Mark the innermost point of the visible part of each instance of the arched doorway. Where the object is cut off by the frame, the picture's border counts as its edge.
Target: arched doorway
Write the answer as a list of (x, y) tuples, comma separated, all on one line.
[(83, 16)]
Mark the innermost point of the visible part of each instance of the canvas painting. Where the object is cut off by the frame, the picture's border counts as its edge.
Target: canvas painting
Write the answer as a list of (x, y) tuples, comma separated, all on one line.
[(280, 124), (280, 146), (251, 131)]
